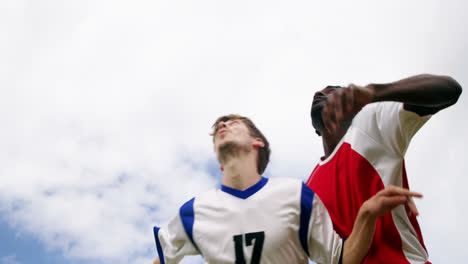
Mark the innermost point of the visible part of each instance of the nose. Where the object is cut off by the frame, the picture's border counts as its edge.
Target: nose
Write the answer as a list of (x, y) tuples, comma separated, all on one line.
[(221, 124), (319, 94)]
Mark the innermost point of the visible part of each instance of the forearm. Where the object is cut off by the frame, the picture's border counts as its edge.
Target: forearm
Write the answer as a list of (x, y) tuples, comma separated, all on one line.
[(421, 90), (156, 261), (358, 243)]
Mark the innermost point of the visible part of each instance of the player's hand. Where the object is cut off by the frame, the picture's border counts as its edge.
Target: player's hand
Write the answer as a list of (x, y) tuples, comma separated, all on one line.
[(411, 207), (345, 102), (156, 261), (389, 198)]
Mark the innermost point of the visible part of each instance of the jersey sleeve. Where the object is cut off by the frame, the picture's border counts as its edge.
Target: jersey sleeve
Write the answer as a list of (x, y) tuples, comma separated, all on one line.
[(389, 124), (176, 241), (321, 243)]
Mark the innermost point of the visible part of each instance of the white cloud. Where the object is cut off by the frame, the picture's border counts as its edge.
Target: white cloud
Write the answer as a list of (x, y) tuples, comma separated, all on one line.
[(106, 106)]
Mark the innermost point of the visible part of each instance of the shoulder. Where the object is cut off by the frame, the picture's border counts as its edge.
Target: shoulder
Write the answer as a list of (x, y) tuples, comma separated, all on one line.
[(205, 197), (379, 110), (286, 183), (285, 189), (386, 111), (285, 180), (290, 189), (375, 122)]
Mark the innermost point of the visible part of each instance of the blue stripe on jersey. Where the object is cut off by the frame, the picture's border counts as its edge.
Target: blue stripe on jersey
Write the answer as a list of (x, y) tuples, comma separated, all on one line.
[(342, 247), (247, 192), (307, 196), (158, 245), (188, 217)]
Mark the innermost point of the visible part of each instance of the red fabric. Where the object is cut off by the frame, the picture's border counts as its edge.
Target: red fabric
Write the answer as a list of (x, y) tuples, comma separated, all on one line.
[(344, 183)]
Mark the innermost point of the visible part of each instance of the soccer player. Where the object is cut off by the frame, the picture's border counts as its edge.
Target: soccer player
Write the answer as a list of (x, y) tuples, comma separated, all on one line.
[(365, 133), (252, 219)]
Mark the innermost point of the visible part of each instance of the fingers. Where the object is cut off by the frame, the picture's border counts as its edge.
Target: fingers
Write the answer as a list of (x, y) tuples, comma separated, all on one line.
[(339, 97), (340, 105), (393, 196), (392, 190), (333, 113), (412, 207), (393, 201)]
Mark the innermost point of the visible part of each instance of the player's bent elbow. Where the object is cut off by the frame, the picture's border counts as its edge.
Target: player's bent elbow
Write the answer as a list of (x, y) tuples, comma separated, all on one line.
[(454, 88)]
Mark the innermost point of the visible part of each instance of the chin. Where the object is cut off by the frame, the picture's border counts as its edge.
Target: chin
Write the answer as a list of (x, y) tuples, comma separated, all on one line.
[(316, 115), (223, 142)]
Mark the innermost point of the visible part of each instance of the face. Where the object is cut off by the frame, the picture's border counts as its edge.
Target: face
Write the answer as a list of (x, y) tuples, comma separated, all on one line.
[(232, 131), (318, 103)]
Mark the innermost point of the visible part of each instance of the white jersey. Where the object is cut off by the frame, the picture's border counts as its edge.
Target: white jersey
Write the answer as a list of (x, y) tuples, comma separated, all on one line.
[(275, 221)]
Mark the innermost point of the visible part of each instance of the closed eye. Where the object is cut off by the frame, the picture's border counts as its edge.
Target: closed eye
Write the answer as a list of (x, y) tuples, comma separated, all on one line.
[(233, 122)]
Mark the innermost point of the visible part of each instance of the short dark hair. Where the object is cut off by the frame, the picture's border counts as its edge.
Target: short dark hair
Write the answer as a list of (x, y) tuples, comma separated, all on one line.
[(263, 152)]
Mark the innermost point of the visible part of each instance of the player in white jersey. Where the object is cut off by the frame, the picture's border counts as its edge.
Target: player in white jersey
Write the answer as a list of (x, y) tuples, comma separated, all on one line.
[(252, 219)]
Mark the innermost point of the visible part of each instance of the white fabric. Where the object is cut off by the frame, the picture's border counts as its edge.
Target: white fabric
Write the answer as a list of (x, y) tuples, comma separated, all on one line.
[(322, 243), (174, 241), (274, 209)]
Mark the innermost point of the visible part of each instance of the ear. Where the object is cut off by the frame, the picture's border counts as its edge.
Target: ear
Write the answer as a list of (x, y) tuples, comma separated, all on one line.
[(258, 143)]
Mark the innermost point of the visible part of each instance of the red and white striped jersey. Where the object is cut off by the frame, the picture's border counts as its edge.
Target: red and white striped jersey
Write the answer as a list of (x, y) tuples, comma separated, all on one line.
[(369, 157)]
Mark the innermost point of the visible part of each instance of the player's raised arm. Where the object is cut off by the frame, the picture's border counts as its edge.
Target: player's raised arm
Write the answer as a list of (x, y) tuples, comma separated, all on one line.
[(358, 243), (423, 94)]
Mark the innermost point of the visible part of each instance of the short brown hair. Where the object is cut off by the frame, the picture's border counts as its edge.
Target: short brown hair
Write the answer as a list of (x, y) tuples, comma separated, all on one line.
[(263, 152)]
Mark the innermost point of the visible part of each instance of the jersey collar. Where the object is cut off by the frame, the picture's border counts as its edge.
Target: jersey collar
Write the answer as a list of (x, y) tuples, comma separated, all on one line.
[(247, 192)]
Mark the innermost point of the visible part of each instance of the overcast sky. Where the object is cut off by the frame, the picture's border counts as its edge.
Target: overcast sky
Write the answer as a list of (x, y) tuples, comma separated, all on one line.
[(106, 107)]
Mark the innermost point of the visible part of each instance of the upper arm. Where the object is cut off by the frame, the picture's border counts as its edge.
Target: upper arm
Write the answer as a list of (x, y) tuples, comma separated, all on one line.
[(445, 95), (422, 110), (174, 242)]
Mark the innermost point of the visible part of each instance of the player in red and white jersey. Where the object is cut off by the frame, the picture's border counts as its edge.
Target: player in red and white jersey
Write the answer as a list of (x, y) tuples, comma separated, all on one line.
[(366, 132)]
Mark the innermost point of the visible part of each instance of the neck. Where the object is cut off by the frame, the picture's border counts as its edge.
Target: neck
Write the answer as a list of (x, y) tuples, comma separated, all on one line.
[(330, 140), (240, 171)]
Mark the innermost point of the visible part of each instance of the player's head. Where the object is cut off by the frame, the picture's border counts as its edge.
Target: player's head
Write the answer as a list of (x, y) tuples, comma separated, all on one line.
[(318, 103), (240, 133)]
